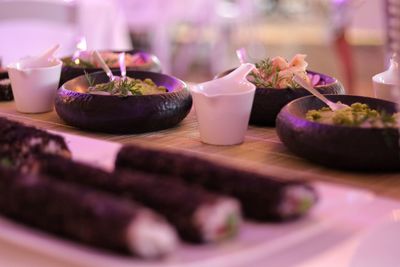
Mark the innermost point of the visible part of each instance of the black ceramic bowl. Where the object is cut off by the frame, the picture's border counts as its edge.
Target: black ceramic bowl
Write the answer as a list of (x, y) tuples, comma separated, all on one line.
[(3, 74), (269, 101), (130, 114), (345, 147), (152, 64)]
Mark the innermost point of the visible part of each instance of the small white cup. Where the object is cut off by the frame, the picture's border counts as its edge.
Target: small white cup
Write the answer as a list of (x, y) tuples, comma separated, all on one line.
[(34, 84), (223, 120), (385, 83), (223, 107), (385, 91)]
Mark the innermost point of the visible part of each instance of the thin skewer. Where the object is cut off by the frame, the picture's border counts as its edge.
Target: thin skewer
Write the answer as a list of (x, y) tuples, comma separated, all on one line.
[(122, 66), (103, 65)]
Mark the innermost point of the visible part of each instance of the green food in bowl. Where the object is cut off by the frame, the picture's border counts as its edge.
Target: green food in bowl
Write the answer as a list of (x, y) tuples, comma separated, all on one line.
[(358, 115), (81, 63), (125, 87), (85, 59)]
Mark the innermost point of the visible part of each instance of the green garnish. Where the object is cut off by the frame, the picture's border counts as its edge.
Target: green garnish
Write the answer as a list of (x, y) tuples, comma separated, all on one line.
[(388, 119), (127, 87), (91, 80), (68, 61), (111, 62), (313, 115), (304, 205), (232, 225), (230, 228), (356, 115), (269, 76)]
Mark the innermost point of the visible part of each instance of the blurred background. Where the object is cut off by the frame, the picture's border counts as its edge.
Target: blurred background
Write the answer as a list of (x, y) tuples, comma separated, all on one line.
[(197, 39)]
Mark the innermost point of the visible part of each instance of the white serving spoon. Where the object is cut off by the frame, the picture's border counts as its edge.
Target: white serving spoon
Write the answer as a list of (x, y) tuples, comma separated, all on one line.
[(308, 86), (241, 54), (49, 54), (103, 65), (39, 61)]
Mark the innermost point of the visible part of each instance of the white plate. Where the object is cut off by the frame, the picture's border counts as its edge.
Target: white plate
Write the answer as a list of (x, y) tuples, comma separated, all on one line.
[(380, 246), (334, 220)]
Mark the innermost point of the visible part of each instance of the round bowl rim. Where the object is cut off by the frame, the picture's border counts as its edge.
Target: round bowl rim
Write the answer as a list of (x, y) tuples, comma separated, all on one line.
[(176, 90), (131, 51), (286, 108), (335, 80)]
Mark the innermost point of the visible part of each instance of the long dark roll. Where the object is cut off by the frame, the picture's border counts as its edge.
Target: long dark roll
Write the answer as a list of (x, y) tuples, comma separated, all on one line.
[(83, 214), (6, 93), (262, 197), (19, 141), (188, 208)]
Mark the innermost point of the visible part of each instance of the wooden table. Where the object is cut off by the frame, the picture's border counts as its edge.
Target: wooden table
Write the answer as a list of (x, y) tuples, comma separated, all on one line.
[(262, 151)]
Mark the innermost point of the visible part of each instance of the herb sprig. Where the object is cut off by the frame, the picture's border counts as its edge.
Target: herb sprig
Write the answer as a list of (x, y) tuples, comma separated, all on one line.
[(90, 79), (81, 63), (268, 75), (127, 87)]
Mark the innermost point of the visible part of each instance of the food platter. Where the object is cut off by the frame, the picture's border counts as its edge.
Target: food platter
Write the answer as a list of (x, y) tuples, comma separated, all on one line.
[(256, 243), (130, 114), (346, 147)]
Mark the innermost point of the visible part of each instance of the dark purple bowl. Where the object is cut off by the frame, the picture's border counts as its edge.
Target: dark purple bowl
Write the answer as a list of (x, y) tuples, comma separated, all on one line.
[(130, 114), (344, 147), (269, 101), (69, 72)]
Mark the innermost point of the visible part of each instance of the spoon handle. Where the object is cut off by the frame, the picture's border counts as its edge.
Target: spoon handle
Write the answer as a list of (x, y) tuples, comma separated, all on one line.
[(241, 54), (49, 53), (313, 91), (122, 66), (103, 65)]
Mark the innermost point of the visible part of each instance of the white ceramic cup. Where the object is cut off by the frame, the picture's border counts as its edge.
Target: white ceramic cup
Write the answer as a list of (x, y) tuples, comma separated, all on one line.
[(34, 85), (385, 91), (223, 108), (385, 83)]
